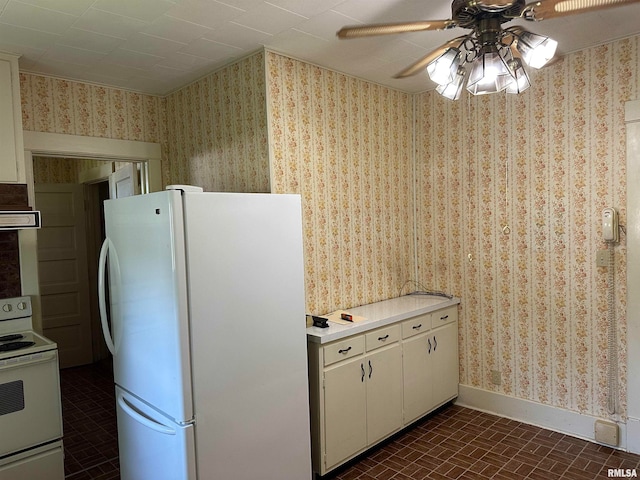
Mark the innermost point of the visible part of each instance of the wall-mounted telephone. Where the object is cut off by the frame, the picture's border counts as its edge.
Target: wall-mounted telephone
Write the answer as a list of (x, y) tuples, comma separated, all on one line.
[(610, 225)]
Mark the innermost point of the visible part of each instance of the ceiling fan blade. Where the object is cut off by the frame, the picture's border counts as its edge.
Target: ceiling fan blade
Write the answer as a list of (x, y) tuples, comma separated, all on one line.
[(545, 9), (421, 64), (373, 29)]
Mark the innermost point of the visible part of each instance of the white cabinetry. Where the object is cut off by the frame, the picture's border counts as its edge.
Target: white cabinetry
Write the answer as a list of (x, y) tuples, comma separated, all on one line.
[(366, 386), (362, 393), (11, 144), (445, 372)]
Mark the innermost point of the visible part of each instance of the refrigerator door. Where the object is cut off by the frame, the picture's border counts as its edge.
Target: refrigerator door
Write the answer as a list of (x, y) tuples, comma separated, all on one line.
[(152, 446), (246, 284), (148, 300)]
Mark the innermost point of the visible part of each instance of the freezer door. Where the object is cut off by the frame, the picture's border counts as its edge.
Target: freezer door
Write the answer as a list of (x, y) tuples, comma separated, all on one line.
[(152, 446), (148, 300)]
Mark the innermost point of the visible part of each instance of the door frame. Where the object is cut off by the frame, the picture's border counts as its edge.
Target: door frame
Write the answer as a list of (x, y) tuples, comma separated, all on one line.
[(75, 146), (632, 118)]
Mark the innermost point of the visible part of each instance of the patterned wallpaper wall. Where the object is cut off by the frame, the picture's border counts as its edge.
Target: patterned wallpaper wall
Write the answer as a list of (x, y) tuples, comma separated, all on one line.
[(217, 130), (55, 105), (64, 106), (544, 164), (534, 302), (56, 170), (345, 145)]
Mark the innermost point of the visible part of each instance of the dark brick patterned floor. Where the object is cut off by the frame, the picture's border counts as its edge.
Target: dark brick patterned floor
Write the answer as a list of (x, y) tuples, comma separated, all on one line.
[(89, 417), (459, 443), (455, 443)]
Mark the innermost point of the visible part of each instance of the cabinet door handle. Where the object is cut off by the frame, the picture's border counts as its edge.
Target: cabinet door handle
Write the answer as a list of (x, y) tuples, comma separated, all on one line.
[(429, 340), (444, 318), (344, 350), (382, 339), (370, 369), (435, 343), (416, 327), (362, 368)]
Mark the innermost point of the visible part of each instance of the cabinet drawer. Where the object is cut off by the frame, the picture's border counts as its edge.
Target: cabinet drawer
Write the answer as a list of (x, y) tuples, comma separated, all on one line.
[(382, 337), (344, 349), (416, 325), (444, 316)]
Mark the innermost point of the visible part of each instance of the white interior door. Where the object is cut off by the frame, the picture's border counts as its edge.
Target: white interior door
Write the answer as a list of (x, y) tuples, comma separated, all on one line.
[(125, 181), (62, 267)]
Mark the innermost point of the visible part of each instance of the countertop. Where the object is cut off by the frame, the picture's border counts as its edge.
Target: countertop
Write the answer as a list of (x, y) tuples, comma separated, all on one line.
[(380, 314)]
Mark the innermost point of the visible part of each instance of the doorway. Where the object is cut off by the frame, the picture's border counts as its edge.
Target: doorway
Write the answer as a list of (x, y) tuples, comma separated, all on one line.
[(69, 193), (53, 145)]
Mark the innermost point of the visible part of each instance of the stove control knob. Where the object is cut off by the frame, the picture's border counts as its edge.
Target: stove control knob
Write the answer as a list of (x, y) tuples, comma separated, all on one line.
[(22, 306), (7, 307)]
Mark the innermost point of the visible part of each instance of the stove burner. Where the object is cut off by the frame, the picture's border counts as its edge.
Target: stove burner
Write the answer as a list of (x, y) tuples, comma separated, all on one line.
[(10, 338), (6, 347)]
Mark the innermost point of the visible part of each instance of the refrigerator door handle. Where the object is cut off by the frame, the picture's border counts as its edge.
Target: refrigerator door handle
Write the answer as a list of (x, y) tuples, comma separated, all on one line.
[(143, 419), (102, 262)]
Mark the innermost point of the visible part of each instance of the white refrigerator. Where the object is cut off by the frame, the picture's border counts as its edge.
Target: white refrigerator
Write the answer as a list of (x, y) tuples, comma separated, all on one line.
[(206, 324)]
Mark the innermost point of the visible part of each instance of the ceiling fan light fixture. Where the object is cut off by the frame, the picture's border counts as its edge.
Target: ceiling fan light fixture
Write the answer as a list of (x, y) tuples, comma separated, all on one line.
[(520, 81), (489, 73), (453, 89), (443, 69), (536, 50)]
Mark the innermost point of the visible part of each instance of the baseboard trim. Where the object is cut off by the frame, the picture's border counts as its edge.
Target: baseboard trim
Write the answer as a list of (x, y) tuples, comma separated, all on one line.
[(633, 435), (552, 418)]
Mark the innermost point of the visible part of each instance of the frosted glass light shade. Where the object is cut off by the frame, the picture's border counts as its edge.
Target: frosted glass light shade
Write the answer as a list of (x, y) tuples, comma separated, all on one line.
[(452, 89), (520, 80), (443, 69), (536, 50), (489, 74)]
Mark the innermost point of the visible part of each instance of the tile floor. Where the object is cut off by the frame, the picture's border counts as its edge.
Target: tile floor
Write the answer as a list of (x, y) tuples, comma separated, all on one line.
[(89, 422), (454, 443), (459, 443)]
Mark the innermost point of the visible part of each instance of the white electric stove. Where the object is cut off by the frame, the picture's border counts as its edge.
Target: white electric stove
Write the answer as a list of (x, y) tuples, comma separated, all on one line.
[(30, 406)]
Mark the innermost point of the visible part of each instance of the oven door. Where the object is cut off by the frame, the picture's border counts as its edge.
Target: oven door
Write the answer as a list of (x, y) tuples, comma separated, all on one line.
[(30, 410)]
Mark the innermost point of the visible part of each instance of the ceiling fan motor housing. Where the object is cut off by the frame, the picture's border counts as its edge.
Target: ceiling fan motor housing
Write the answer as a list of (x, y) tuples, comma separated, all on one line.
[(467, 12)]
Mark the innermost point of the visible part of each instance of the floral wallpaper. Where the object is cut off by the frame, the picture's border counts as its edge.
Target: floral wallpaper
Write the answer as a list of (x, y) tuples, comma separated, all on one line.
[(510, 191), (506, 191), (56, 105), (63, 106), (345, 145), (217, 133)]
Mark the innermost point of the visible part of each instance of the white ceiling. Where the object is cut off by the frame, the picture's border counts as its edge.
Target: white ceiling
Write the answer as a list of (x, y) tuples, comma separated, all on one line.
[(157, 46)]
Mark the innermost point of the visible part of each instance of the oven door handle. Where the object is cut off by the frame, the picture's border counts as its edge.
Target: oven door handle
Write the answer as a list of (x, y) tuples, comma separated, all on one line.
[(102, 262), (46, 357), (143, 419)]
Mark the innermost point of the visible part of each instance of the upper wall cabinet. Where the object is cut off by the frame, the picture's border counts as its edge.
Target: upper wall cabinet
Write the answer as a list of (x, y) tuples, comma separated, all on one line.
[(11, 144)]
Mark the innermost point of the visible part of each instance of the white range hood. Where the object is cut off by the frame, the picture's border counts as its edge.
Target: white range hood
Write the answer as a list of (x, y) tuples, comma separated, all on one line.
[(19, 220)]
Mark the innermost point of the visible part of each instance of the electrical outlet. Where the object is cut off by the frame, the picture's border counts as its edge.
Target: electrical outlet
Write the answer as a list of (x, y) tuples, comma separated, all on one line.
[(496, 377), (602, 258)]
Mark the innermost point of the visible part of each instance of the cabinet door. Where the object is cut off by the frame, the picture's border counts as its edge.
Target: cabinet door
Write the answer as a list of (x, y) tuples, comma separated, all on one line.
[(345, 413), (418, 382), (384, 392), (445, 363), (11, 145)]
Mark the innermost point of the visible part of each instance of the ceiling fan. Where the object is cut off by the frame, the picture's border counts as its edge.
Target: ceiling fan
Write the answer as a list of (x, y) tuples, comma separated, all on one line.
[(495, 55)]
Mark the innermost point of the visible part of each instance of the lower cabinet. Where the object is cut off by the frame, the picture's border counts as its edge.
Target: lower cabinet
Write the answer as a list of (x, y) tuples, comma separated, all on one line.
[(365, 387), (445, 372), (345, 413), (417, 376), (384, 392), (362, 396)]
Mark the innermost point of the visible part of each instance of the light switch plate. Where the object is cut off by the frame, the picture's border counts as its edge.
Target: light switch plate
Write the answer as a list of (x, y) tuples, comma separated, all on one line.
[(602, 258)]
